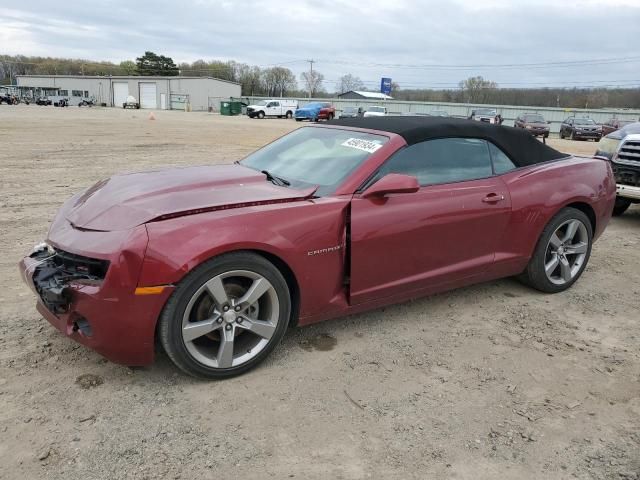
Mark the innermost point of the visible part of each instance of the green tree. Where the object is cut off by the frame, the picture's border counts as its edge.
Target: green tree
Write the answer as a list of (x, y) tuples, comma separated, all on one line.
[(128, 67), (152, 64)]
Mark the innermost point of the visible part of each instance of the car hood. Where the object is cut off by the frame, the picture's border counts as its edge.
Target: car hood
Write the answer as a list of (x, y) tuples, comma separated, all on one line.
[(126, 201)]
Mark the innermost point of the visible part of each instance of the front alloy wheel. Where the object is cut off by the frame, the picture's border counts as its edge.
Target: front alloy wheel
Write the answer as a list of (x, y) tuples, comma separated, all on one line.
[(226, 316)]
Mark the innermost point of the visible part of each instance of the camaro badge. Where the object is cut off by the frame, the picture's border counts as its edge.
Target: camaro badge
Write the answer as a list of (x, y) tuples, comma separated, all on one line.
[(311, 253)]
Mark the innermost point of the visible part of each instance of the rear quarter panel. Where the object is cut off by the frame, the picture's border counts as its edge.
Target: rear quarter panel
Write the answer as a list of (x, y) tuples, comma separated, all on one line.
[(541, 191)]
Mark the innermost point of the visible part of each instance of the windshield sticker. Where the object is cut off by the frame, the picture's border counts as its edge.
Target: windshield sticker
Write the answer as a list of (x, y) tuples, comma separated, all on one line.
[(364, 145)]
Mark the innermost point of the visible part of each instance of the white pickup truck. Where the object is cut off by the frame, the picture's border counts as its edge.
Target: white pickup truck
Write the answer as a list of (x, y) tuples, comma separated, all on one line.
[(277, 107)]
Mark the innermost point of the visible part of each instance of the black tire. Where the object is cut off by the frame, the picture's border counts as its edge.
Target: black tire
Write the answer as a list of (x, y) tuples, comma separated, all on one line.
[(534, 275), (621, 206), (561, 134), (289, 114), (298, 119), (170, 322), (261, 115), (330, 117)]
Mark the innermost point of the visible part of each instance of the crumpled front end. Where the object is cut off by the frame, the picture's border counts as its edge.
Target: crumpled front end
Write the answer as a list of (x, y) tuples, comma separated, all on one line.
[(85, 283)]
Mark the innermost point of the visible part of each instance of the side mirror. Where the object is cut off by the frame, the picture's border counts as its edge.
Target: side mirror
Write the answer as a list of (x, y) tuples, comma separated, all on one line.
[(392, 183)]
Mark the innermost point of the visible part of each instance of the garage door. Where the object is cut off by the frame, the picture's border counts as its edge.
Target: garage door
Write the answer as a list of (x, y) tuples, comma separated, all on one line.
[(120, 93), (148, 95)]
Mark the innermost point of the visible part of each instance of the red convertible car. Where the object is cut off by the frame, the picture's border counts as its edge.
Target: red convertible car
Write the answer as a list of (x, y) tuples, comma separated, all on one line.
[(215, 262)]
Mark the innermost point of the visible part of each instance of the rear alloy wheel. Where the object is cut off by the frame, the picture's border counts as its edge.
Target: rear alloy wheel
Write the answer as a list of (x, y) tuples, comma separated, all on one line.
[(226, 316), (289, 115), (562, 252), (261, 115)]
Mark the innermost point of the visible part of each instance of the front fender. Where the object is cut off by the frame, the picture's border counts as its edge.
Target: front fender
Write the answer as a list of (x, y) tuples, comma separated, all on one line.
[(289, 231)]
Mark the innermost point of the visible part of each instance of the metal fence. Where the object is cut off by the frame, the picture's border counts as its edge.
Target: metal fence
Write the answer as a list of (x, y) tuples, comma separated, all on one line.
[(463, 110)]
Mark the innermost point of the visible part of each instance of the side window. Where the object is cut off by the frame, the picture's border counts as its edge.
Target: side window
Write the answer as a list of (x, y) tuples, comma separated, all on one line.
[(444, 160), (275, 104), (63, 93), (501, 163)]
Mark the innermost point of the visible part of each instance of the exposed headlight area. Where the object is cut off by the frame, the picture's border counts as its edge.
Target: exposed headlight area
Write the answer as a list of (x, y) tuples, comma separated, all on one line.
[(57, 269)]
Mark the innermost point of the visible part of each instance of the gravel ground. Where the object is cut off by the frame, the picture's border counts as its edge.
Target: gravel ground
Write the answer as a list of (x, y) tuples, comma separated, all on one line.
[(491, 381)]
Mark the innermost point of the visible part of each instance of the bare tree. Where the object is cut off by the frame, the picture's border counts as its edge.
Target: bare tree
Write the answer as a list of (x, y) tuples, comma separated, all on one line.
[(348, 82), (312, 81), (476, 89)]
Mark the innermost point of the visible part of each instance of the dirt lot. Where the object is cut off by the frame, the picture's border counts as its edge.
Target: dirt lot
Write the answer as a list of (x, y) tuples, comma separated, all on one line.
[(494, 381)]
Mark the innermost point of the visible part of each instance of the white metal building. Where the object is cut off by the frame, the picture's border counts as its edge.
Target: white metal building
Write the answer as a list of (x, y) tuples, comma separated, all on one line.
[(151, 92)]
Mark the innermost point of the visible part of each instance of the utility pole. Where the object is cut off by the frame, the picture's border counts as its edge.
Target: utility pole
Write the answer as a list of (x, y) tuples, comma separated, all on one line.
[(311, 62)]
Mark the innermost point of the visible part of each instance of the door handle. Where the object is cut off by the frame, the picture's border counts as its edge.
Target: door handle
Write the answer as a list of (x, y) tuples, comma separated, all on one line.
[(493, 198)]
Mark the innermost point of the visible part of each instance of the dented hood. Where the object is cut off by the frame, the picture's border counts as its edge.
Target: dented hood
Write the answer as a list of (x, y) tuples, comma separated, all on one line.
[(126, 201)]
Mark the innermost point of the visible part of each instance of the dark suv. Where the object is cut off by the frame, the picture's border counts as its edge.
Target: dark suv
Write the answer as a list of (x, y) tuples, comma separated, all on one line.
[(577, 128), (534, 123), (622, 149)]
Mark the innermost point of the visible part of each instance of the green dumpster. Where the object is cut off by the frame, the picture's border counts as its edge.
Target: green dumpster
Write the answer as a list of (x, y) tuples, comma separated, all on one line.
[(225, 108), (236, 107)]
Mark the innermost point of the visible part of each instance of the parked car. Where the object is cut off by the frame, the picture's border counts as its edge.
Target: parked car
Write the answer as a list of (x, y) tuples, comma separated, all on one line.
[(131, 103), (614, 124), (534, 123), (576, 128), (488, 115), (622, 149), (375, 111), (315, 111), (87, 102), (351, 112), (43, 101), (217, 261), (9, 99), (279, 107)]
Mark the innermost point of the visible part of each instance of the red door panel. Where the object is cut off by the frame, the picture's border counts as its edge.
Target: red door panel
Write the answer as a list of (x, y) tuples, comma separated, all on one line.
[(439, 234)]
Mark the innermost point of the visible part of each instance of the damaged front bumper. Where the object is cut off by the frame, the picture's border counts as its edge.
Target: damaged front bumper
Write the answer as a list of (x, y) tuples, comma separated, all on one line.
[(88, 293)]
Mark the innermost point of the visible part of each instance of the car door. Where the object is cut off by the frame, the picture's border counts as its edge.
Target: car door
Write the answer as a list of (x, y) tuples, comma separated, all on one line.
[(445, 232), (273, 108)]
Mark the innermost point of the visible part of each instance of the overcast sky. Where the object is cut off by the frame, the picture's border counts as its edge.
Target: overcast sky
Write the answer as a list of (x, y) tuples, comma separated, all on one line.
[(371, 39)]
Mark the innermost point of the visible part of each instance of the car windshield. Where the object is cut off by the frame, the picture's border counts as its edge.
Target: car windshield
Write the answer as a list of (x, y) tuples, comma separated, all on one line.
[(485, 111), (262, 103), (376, 109), (313, 156), (584, 121), (534, 118)]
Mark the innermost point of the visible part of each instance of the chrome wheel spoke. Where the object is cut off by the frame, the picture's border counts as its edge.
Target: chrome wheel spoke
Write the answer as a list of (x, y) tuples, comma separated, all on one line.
[(572, 228), (259, 327), (194, 330), (258, 288), (551, 265), (225, 350), (217, 291), (576, 248), (565, 269), (555, 240)]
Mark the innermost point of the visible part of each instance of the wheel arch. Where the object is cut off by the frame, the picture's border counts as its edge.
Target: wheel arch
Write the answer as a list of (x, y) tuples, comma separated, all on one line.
[(586, 209), (278, 262)]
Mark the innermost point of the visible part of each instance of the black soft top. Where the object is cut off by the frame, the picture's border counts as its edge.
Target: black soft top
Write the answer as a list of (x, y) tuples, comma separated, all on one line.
[(518, 144)]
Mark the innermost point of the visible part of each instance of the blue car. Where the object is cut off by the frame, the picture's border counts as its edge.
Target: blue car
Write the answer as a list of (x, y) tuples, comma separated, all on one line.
[(315, 111)]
